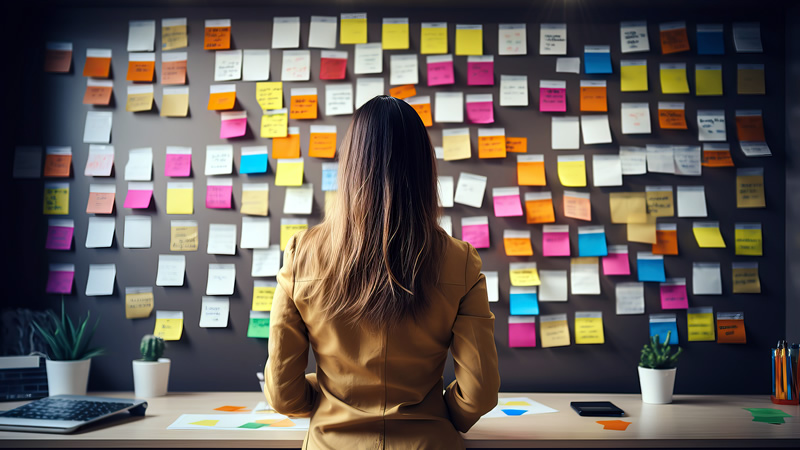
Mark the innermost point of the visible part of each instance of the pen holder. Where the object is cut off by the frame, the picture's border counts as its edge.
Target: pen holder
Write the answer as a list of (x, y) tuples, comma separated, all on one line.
[(785, 377)]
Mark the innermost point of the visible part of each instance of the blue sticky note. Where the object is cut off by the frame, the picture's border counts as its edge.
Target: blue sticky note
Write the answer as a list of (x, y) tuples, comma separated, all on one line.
[(597, 62), (592, 244), (329, 179), (651, 269), (524, 304), (253, 164), (710, 43), (661, 328), (513, 412)]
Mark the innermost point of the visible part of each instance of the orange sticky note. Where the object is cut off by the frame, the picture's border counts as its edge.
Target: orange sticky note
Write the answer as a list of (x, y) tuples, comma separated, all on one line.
[(593, 96), (141, 67), (222, 97), (666, 240), (98, 92), (730, 331), (577, 205), (618, 425), (539, 210), (57, 165), (717, 158), (230, 408), (217, 35), (322, 142), (516, 144), (405, 91), (518, 246), (287, 147), (491, 143), (530, 170), (672, 119), (100, 203), (58, 57), (173, 68), (282, 423), (422, 105), (98, 63), (303, 106), (674, 38), (750, 128)]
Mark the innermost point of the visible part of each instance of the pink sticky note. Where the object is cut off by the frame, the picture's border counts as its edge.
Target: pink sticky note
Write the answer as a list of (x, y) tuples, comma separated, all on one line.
[(440, 73), (480, 74), (552, 100), (232, 128), (616, 264), (138, 199), (332, 68), (555, 244), (522, 334), (59, 238), (177, 165), (477, 235), (59, 282), (673, 296), (507, 206), (480, 112), (218, 197)]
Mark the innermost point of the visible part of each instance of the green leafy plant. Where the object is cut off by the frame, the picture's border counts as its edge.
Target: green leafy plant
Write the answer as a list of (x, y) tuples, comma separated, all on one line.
[(152, 347), (658, 355), (68, 342)]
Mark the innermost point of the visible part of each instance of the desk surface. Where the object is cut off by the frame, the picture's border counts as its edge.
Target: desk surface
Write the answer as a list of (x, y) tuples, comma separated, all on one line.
[(690, 421)]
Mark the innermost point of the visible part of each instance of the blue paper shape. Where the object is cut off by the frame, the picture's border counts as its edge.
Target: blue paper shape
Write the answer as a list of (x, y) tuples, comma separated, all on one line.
[(514, 412), (651, 270), (592, 244), (524, 304), (710, 43), (253, 164), (597, 62), (661, 328), (329, 179)]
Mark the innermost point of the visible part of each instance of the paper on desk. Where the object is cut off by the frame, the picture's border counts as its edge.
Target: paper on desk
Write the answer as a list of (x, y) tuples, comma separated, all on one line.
[(517, 406), (235, 422)]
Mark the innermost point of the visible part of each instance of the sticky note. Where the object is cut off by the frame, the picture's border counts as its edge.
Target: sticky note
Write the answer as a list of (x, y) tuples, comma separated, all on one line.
[(255, 199), (555, 240), (274, 124), (101, 198), (747, 37), (553, 330), (353, 28), (706, 279), (539, 207), (692, 201), (141, 35), (592, 241), (322, 32), (523, 300), (217, 34), (628, 207), (98, 63), (511, 39), (433, 38), (394, 33), (403, 69), (219, 193), (513, 90), (422, 105), (101, 280), (750, 188), (616, 425), (58, 57), (748, 239), (593, 95), (506, 202), (650, 267), (290, 227), (589, 327), (577, 205), (584, 276), (338, 99), (178, 161), (289, 172), (173, 68), (530, 169), (730, 328), (635, 118), (480, 70), (205, 423), (521, 331), (233, 124), (60, 232), (708, 235), (180, 198), (673, 294), (456, 144), (100, 232), (517, 243), (660, 201), (140, 98), (480, 109), (523, 274), (596, 59), (440, 70), (253, 160), (141, 67), (98, 92), (552, 96), (491, 143), (565, 133), (403, 92), (708, 79), (183, 236), (633, 37), (717, 155), (58, 162), (553, 285), (633, 75), (616, 262), (171, 270), (671, 116), (227, 65), (666, 239), (169, 325), (303, 103), (322, 141), (661, 324), (470, 189), (572, 170), (60, 279), (749, 125), (553, 39), (263, 293), (56, 199), (700, 324), (139, 302), (644, 232), (750, 79), (673, 78), (595, 129), (673, 37), (709, 39), (221, 97), (568, 65), (475, 230), (469, 39), (173, 34), (745, 278), (175, 102)]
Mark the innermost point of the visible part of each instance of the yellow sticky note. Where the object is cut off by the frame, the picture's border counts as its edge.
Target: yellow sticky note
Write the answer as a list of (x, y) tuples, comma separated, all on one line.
[(169, 329), (275, 124), (433, 38), (572, 173), (139, 102), (175, 105), (628, 207), (673, 79), (255, 202), (707, 235), (469, 40), (173, 34), (138, 305), (708, 79), (330, 201), (749, 241), (750, 79), (516, 403), (183, 236), (353, 29), (180, 200), (269, 94), (750, 191), (395, 34), (588, 330), (643, 232), (701, 326), (289, 230), (745, 279), (660, 202), (262, 298), (205, 423), (456, 146), (56, 199), (633, 78), (554, 333), (289, 172), (524, 276)]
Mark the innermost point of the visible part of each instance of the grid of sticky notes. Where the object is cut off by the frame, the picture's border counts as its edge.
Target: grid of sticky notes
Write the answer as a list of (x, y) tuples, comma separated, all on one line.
[(555, 240)]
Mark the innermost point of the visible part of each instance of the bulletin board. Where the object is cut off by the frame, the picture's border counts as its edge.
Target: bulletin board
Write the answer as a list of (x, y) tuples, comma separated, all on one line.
[(52, 113)]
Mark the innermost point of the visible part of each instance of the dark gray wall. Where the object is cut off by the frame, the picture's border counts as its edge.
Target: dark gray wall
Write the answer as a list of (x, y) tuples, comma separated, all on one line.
[(224, 359), (792, 173)]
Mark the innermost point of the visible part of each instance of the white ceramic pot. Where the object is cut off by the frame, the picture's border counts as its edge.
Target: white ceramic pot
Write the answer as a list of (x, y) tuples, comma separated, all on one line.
[(68, 377), (150, 378), (657, 384)]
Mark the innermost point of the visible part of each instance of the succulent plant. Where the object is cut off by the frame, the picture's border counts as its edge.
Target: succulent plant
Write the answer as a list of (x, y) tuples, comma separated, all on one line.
[(152, 347), (657, 355)]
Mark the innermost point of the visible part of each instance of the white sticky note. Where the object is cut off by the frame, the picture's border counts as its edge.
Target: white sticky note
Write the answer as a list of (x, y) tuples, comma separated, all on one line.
[(553, 39), (692, 201), (322, 32), (634, 160), (595, 129), (470, 189), (630, 298), (171, 269), (266, 261), (255, 232), (219, 160), (568, 65), (706, 279), (27, 162), (747, 37), (565, 133), (635, 118), (446, 222), (299, 199), (403, 69), (286, 32), (368, 58), (138, 230), (296, 65), (338, 99), (97, 129), (553, 287), (367, 89), (512, 39), (101, 279), (585, 279), (100, 233), (633, 37), (660, 158), (449, 107), (711, 125), (214, 312), (140, 165), (255, 65), (513, 90), (606, 170), (221, 279), (227, 65), (492, 285), (141, 35), (446, 186), (221, 239), (688, 160)]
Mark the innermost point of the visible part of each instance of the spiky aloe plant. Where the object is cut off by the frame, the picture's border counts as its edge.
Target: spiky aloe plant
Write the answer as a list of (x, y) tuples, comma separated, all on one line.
[(658, 355), (68, 342), (152, 347)]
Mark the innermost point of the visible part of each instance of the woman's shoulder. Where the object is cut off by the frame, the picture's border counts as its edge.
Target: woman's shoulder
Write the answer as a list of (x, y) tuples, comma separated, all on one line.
[(459, 259)]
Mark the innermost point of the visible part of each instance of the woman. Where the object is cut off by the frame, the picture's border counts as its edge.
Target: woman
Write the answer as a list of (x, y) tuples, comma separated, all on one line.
[(381, 293)]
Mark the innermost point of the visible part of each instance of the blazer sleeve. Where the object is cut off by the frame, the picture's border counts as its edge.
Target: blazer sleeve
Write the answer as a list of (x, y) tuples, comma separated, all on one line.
[(287, 388), (474, 391)]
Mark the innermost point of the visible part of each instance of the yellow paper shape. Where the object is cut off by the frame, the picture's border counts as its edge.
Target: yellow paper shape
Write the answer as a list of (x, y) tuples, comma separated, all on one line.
[(524, 277), (633, 78), (554, 333), (433, 40), (171, 330), (516, 403), (518, 246), (673, 81), (750, 191), (175, 105), (174, 37), (255, 202), (289, 174), (269, 94), (708, 82), (643, 232), (274, 125), (708, 237), (183, 239), (746, 281), (56, 201), (180, 201), (750, 82), (330, 201), (572, 173), (469, 42), (139, 305), (749, 242), (139, 102), (660, 203), (589, 330), (628, 207), (262, 298), (353, 31), (394, 36), (289, 230), (206, 423), (456, 147), (701, 327), (267, 421)]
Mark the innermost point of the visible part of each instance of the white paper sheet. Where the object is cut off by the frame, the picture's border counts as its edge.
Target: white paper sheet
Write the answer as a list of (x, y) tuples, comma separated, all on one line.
[(368, 58), (492, 285), (255, 65), (322, 32), (470, 189), (214, 312), (595, 129), (585, 279), (286, 32), (296, 65), (299, 199), (221, 279), (711, 125), (266, 261), (138, 230), (221, 239), (565, 133), (449, 107), (568, 65), (553, 39), (367, 89), (706, 279), (692, 201), (553, 287), (227, 65), (606, 170), (633, 37), (660, 159), (255, 232), (446, 186), (513, 90), (141, 35), (219, 160), (100, 232), (403, 69), (140, 165), (636, 118), (338, 99), (101, 279), (634, 160), (630, 298), (97, 129)]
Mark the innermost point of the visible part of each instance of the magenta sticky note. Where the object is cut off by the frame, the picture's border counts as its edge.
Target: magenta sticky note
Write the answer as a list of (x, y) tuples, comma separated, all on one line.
[(555, 244), (552, 100), (522, 334), (507, 206), (59, 282), (232, 128), (138, 199), (219, 197), (59, 238), (673, 296), (178, 165), (477, 235), (480, 73), (480, 112), (616, 264), (441, 73)]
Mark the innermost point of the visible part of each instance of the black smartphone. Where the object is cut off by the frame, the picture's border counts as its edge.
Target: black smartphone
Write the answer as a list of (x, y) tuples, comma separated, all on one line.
[(600, 409)]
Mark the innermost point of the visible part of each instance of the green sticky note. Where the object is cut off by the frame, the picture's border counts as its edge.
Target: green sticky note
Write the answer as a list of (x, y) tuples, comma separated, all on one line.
[(258, 328), (768, 419), (767, 412), (253, 425)]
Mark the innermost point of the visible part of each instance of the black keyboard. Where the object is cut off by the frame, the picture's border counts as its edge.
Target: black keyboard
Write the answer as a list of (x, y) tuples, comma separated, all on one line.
[(65, 409)]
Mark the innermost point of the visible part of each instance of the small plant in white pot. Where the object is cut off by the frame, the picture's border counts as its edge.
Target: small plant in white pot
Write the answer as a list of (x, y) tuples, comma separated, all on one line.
[(657, 370), (69, 357), (151, 373)]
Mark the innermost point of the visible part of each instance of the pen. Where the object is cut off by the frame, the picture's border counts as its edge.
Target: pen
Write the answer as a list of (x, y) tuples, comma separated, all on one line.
[(773, 373)]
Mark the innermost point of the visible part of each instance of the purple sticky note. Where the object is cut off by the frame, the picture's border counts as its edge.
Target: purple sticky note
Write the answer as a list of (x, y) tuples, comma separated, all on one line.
[(138, 199), (480, 112), (59, 238), (552, 100), (555, 244), (480, 73), (60, 282), (232, 128), (522, 334), (177, 165), (441, 73), (616, 264), (507, 206), (218, 197), (477, 235), (673, 296)]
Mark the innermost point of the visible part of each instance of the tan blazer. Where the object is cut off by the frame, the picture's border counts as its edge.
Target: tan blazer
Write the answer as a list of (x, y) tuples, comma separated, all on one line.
[(380, 389)]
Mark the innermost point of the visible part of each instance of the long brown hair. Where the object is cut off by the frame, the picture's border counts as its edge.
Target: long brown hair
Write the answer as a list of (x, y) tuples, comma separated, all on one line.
[(380, 245)]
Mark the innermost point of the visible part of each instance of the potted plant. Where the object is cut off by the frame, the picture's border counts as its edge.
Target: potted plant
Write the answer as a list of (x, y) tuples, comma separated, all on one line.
[(70, 356), (657, 370), (151, 373)]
